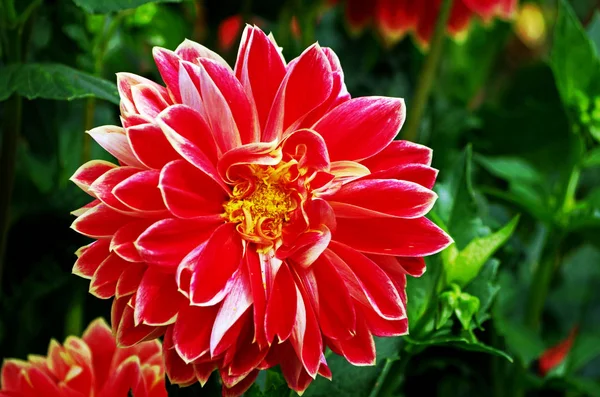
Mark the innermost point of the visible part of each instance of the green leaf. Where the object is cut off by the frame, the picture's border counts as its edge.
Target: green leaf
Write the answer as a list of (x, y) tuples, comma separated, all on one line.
[(576, 66), (448, 302), (467, 306), (485, 287), (470, 260), (54, 81), (456, 205), (592, 159), (105, 6), (585, 349), (462, 343)]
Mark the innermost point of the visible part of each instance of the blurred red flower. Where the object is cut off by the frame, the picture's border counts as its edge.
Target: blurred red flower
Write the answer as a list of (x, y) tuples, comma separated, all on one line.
[(257, 215), (555, 355), (395, 18), (89, 366)]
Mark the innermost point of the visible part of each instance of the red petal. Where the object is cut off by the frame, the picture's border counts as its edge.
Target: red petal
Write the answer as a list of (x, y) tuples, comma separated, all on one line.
[(307, 247), (336, 310), (382, 327), (399, 153), (90, 257), (377, 197), (101, 342), (376, 285), (240, 387), (309, 73), (235, 304), (89, 172), (130, 279), (178, 371), (280, 312), (308, 148), (148, 100), (190, 51), (100, 222), (259, 295), (105, 278), (114, 141), (140, 192), (168, 241), (123, 241), (190, 193), (168, 66), (126, 377), (212, 267), (127, 333), (233, 92), (144, 139), (261, 69), (260, 153), (417, 173), (359, 14), (360, 349), (192, 330), (157, 299), (103, 187), (370, 121), (392, 236), (395, 18)]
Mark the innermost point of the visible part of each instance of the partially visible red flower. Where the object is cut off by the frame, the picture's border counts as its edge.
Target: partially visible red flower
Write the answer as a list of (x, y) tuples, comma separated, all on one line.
[(395, 18), (229, 31), (555, 355), (90, 366), (257, 215)]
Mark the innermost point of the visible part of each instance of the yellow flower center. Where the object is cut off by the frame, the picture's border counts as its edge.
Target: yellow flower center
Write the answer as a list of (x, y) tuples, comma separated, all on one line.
[(262, 206)]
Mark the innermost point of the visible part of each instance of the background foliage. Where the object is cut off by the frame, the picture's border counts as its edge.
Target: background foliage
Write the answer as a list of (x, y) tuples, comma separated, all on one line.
[(515, 128)]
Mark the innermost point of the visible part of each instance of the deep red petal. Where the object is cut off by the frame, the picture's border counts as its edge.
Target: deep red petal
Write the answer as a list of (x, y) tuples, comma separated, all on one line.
[(157, 299), (280, 312), (140, 192), (145, 139), (100, 222), (192, 330), (90, 257)]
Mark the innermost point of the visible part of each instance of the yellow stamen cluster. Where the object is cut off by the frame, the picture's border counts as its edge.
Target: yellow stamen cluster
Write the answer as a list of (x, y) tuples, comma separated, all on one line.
[(261, 209)]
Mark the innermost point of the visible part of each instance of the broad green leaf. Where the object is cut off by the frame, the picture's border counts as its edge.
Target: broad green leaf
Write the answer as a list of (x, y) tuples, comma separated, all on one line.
[(512, 169), (471, 259), (520, 340), (54, 81), (589, 387), (585, 349), (105, 6)]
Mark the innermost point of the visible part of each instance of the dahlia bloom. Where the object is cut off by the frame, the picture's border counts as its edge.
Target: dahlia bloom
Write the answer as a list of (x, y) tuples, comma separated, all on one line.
[(257, 215), (89, 366), (395, 18)]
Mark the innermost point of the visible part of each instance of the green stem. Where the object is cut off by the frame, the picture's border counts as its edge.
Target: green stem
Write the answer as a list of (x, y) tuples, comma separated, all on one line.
[(381, 378), (427, 76), (11, 127)]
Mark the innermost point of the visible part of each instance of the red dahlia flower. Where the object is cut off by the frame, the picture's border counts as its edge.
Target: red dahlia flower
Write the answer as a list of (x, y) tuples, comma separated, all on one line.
[(394, 18), (555, 355), (87, 367), (257, 214)]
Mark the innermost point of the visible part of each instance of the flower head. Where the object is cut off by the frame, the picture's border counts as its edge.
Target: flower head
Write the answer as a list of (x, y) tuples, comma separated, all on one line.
[(89, 366), (393, 19), (257, 214)]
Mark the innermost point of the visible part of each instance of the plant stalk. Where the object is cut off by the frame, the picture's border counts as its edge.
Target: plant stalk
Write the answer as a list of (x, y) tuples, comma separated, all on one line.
[(428, 73)]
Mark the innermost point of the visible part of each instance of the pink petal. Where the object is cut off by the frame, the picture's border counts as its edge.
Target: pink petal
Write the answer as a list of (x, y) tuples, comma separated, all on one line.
[(261, 69), (192, 330), (190, 193), (125, 83), (90, 257), (380, 197), (140, 192), (392, 236), (114, 141), (144, 139), (309, 73), (399, 153), (157, 299), (168, 66), (376, 285), (87, 174), (212, 267), (372, 121), (168, 241), (280, 312)]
